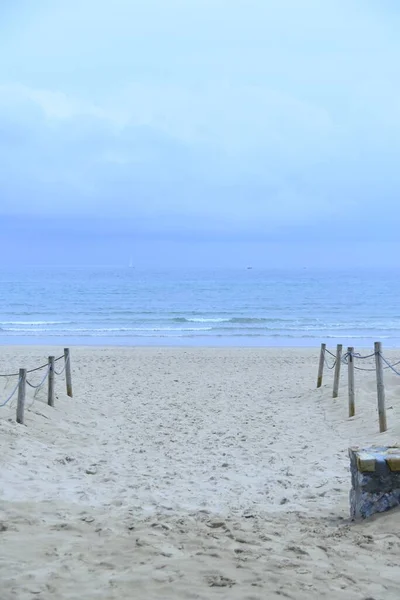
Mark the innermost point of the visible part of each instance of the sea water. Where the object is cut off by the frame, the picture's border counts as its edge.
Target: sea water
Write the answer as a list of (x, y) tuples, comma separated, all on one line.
[(242, 307)]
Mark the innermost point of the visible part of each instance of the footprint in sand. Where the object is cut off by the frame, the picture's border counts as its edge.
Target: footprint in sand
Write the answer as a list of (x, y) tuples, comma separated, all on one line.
[(219, 581)]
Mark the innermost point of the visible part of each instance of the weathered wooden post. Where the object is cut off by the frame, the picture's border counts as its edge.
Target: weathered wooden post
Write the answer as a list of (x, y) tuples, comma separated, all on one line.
[(50, 393), (21, 396), (321, 365), (350, 362), (380, 387), (68, 377), (336, 379)]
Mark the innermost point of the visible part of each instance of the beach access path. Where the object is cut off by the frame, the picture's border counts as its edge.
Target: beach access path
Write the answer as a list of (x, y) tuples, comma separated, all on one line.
[(191, 474)]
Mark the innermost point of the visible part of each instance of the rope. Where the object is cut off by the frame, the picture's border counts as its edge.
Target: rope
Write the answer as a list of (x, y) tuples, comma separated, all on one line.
[(9, 375), (389, 366), (36, 387), (329, 352), (330, 367), (32, 370), (38, 368), (11, 395), (64, 367), (345, 360), (357, 355), (394, 364), (325, 360)]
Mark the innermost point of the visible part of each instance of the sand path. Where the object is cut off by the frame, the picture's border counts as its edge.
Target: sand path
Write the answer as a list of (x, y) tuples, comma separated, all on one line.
[(191, 474)]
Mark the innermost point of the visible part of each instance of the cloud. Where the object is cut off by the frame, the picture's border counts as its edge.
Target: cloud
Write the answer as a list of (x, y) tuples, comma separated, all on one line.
[(54, 104), (69, 145), (203, 118)]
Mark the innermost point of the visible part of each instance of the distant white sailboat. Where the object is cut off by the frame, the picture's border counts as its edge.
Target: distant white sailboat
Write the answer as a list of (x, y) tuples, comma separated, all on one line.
[(130, 263)]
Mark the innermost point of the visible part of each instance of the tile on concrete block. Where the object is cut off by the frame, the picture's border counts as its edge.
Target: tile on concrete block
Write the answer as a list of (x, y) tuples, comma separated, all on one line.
[(365, 462), (393, 460)]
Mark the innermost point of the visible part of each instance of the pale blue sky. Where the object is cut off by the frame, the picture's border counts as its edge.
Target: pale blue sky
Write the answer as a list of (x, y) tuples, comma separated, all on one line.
[(199, 131)]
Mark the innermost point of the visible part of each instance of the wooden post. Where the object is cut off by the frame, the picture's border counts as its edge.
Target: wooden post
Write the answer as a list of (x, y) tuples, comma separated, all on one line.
[(321, 365), (50, 393), (350, 362), (339, 349), (380, 387), (21, 396), (68, 377)]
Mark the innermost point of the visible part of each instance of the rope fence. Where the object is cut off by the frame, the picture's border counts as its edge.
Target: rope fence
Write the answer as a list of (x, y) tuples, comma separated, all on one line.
[(325, 360), (350, 360), (48, 376), (32, 370), (10, 397), (39, 385)]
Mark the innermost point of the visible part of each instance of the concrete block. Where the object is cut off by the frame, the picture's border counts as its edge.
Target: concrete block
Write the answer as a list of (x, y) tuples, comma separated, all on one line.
[(375, 478)]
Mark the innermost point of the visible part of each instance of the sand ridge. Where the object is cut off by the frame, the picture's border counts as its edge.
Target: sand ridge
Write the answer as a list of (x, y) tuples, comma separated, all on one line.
[(191, 473)]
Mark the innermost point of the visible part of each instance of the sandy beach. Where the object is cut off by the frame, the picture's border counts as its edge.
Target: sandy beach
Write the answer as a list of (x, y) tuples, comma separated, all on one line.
[(191, 474)]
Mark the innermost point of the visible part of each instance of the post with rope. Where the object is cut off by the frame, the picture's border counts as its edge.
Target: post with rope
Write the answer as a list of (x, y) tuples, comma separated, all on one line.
[(21, 396), (339, 350), (68, 376), (50, 392), (380, 387), (350, 363), (321, 365)]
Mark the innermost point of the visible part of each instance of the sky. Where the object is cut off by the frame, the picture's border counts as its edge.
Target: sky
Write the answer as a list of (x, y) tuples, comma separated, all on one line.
[(199, 132)]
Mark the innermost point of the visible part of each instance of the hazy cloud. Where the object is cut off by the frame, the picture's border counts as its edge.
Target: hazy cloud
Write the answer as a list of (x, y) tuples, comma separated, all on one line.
[(211, 119)]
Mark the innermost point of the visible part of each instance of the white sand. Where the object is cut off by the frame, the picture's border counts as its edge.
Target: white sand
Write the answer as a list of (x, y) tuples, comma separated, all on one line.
[(212, 474)]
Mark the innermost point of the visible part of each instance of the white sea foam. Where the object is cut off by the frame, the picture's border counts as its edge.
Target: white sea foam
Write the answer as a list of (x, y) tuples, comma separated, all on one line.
[(207, 320), (94, 330), (33, 323)]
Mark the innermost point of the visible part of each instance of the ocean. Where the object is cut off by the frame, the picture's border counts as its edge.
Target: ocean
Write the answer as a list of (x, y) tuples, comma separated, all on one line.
[(214, 307)]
